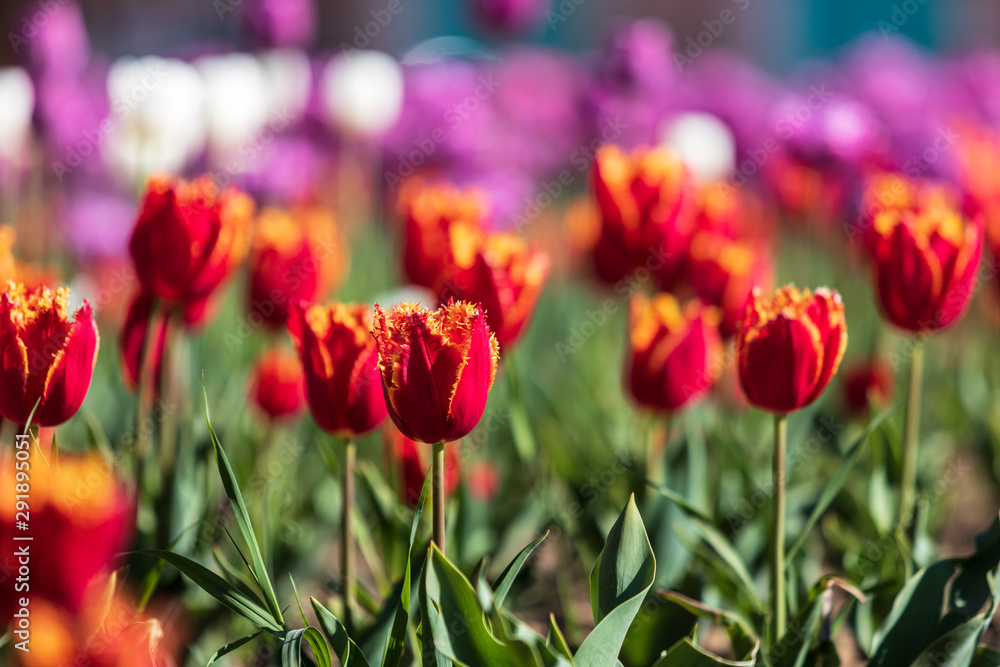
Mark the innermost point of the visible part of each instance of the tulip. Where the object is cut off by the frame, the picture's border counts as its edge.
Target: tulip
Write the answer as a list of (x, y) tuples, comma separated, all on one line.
[(673, 350), (925, 266), (189, 237), (437, 370), (277, 386), (926, 256), (502, 274), (724, 271), (788, 347), (48, 357), (295, 256), (339, 361), (79, 521), (646, 207), (429, 213), (133, 341), (342, 388)]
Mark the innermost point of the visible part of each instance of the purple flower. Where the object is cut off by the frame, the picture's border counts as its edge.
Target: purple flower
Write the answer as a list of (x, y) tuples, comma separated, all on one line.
[(54, 38)]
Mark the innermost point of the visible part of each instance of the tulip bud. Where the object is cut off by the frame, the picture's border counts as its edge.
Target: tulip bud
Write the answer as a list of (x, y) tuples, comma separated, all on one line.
[(339, 361), (500, 273), (429, 212), (277, 386), (189, 237), (437, 368), (47, 357), (673, 351), (925, 265), (296, 256), (646, 207), (789, 346)]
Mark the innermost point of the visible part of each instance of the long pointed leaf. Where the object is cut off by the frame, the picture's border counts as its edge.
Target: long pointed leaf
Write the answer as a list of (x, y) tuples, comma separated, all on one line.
[(242, 518), (506, 579)]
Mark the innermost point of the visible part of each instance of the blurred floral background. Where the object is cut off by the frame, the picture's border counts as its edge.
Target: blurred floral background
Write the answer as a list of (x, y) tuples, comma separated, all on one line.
[(605, 184)]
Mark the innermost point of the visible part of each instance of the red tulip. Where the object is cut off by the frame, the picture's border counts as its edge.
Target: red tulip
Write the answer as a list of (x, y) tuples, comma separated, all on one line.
[(47, 356), (789, 346), (724, 271), (277, 385), (414, 461), (437, 368), (78, 522), (500, 273), (339, 361), (188, 237), (429, 212), (296, 256), (647, 206), (870, 380), (925, 266), (673, 351)]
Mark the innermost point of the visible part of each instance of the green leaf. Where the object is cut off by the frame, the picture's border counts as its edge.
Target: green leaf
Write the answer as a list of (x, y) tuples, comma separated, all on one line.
[(456, 621), (345, 648), (686, 653), (395, 641), (291, 649), (242, 518), (689, 508), (835, 484), (940, 599), (731, 557), (219, 588), (745, 642), (624, 571), (231, 646), (506, 579), (555, 640)]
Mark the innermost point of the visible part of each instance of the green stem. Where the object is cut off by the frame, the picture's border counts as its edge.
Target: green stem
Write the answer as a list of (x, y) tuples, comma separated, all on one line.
[(347, 536), (778, 601), (908, 481), (437, 479)]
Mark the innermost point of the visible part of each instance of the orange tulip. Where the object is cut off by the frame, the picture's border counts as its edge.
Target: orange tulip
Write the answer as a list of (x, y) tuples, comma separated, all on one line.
[(789, 346), (437, 368), (674, 350), (48, 357)]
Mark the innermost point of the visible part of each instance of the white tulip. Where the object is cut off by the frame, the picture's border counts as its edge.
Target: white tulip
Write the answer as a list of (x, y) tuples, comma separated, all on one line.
[(236, 100), (363, 92), (704, 142), (287, 79), (157, 116), (18, 101)]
